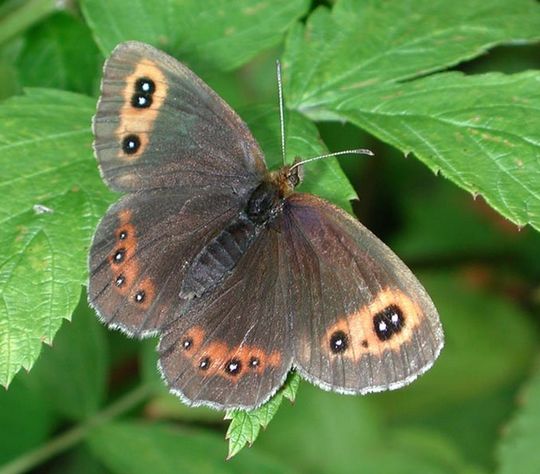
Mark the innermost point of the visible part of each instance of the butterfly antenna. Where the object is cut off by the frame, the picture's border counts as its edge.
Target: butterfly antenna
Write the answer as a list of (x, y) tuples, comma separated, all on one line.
[(358, 151), (281, 109)]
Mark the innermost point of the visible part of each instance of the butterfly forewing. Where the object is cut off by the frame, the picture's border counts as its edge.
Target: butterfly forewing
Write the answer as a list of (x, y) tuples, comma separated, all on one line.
[(158, 125)]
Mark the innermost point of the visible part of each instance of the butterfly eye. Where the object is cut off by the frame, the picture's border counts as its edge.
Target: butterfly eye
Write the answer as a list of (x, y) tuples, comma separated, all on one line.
[(388, 322), (339, 342)]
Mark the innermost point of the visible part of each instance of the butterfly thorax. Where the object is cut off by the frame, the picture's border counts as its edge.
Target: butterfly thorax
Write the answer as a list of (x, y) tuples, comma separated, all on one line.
[(219, 256)]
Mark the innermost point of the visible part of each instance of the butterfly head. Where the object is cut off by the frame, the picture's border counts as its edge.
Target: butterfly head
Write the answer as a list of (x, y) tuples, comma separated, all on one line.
[(287, 178)]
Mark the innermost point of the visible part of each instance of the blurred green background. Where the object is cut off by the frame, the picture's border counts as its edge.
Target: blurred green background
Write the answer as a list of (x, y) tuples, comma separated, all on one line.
[(93, 401)]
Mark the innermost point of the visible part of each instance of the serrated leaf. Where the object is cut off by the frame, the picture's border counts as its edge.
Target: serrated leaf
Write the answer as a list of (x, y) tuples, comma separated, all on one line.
[(478, 131), (222, 33), (246, 425), (363, 43), (518, 450), (141, 448), (52, 197), (60, 52)]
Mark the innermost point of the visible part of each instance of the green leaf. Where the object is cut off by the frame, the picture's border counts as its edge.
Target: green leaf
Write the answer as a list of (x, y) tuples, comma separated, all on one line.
[(473, 425), (9, 79), (246, 425), (363, 43), (71, 374), (52, 198), (222, 33), (60, 52), (477, 131), (25, 418), (518, 450), (141, 448), (425, 451), (78, 460), (328, 432), (323, 431)]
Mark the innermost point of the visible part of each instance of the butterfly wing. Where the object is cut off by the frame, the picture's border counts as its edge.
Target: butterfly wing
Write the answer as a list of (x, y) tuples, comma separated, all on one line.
[(188, 161), (158, 125), (362, 321), (232, 349), (140, 250)]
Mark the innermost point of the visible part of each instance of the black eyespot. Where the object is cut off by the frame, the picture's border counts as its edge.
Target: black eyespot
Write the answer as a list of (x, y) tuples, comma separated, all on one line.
[(120, 280), (339, 342), (388, 322), (141, 101), (254, 362), (139, 296), (131, 144), (119, 256), (233, 367), (187, 343), (204, 364), (365, 344), (122, 235), (145, 85)]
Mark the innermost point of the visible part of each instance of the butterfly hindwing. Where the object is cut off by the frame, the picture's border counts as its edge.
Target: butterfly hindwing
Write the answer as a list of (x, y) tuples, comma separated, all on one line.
[(362, 321), (140, 250), (158, 125), (232, 349)]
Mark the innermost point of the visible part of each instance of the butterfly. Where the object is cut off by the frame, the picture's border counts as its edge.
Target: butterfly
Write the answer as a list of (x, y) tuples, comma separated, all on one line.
[(242, 278)]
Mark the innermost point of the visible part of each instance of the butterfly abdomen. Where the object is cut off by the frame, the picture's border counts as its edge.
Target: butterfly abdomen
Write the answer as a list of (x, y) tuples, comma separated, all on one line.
[(220, 256)]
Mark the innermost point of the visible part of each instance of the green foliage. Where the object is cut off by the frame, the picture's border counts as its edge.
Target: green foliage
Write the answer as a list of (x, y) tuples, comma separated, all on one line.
[(72, 373), (53, 197), (400, 71), (518, 451), (137, 448), (245, 425), (222, 33), (61, 53)]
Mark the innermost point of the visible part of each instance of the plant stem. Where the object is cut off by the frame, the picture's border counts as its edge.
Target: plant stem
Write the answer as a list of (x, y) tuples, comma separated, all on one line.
[(66, 440), (19, 19)]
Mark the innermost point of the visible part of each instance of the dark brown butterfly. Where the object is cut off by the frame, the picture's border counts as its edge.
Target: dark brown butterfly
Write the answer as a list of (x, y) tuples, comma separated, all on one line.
[(241, 277)]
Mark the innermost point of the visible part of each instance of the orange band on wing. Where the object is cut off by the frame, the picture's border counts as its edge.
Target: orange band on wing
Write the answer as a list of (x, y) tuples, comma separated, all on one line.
[(138, 122), (385, 324)]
